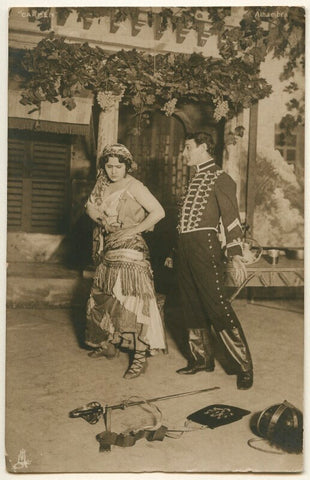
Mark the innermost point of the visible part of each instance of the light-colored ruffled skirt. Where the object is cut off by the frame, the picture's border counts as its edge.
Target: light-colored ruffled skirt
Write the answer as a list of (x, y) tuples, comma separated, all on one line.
[(122, 300)]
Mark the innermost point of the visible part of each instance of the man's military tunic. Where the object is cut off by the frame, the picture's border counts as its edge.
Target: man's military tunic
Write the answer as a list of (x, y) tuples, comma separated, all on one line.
[(210, 196)]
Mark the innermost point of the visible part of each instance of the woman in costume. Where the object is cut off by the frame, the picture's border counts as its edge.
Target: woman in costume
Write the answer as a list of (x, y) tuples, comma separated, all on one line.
[(122, 308)]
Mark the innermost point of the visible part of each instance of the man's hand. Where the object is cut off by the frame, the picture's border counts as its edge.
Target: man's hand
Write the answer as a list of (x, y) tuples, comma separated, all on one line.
[(239, 269), (168, 262)]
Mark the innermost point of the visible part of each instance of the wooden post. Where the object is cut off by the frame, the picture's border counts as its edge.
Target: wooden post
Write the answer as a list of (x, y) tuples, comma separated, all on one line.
[(251, 167), (108, 126), (107, 134)]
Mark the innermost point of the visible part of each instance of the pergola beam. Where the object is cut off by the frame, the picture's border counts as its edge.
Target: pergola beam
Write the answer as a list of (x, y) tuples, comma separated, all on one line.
[(251, 167)]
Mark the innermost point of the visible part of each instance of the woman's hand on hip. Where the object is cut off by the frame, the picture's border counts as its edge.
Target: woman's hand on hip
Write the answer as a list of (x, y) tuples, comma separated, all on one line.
[(124, 233), (112, 228)]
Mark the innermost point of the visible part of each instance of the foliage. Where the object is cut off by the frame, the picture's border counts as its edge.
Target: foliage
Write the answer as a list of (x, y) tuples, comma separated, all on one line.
[(279, 31), (231, 137), (186, 17), (297, 116), (57, 69), (119, 14), (43, 15)]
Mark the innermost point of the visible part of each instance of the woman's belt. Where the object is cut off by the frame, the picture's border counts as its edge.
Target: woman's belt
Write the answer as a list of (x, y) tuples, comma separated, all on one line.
[(123, 254)]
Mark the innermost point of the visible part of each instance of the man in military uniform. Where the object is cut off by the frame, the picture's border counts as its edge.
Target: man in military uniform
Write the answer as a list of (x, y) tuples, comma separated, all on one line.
[(210, 196)]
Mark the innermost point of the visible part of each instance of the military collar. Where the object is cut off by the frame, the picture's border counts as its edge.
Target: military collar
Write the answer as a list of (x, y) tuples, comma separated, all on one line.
[(205, 166)]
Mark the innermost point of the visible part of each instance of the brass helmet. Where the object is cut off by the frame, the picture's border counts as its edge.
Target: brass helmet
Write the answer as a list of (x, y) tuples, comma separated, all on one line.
[(282, 426)]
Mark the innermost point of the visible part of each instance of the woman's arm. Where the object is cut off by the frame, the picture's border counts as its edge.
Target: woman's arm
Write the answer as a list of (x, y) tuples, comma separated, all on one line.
[(154, 209), (150, 204), (93, 212), (99, 218)]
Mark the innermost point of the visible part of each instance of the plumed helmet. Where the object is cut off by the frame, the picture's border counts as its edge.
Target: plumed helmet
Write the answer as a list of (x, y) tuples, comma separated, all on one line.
[(281, 425)]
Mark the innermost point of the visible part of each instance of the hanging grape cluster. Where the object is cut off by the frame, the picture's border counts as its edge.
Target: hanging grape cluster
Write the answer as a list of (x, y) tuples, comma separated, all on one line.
[(169, 107), (221, 109)]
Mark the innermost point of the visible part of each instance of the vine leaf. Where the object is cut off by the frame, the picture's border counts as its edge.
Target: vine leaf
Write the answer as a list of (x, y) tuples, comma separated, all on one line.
[(64, 69)]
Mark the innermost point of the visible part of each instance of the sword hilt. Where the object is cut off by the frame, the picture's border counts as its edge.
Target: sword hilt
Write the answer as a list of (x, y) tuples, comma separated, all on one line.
[(91, 412)]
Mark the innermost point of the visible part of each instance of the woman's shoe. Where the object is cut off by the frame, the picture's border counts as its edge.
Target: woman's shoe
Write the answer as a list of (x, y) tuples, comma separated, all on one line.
[(138, 365), (107, 350)]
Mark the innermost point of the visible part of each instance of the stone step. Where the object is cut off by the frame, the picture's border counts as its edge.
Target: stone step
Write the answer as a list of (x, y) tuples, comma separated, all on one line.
[(45, 284)]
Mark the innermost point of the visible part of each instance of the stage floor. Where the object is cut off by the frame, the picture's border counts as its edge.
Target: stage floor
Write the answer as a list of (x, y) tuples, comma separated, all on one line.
[(49, 374)]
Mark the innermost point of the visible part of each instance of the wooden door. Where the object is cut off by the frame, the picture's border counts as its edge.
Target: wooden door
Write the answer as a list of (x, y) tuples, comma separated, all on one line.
[(158, 152)]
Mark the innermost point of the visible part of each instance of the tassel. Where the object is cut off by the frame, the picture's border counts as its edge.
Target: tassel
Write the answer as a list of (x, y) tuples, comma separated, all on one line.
[(136, 280)]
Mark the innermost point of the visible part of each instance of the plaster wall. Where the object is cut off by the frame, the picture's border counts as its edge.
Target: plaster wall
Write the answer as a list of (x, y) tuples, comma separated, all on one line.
[(33, 247)]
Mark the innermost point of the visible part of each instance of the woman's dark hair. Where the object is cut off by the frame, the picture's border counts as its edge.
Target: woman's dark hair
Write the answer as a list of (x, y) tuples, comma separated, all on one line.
[(202, 137), (103, 160), (119, 151)]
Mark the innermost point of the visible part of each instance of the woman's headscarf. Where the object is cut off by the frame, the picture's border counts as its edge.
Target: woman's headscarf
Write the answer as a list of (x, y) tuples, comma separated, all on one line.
[(117, 149)]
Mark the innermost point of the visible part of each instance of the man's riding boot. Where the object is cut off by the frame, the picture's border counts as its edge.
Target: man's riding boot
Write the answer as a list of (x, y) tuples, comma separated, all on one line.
[(236, 344), (201, 352), (245, 380)]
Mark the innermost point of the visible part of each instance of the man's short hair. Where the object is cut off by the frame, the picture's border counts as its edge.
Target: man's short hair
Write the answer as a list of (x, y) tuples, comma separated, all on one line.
[(202, 137)]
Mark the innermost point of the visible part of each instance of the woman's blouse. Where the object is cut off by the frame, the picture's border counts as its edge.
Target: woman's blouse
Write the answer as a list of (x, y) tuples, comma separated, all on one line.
[(119, 208)]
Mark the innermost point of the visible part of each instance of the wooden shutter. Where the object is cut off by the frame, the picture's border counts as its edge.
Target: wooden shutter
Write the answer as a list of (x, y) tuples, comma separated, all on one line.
[(49, 182), (38, 179), (16, 155)]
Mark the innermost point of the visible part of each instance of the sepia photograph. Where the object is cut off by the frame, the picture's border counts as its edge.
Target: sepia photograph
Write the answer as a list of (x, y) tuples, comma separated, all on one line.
[(155, 239)]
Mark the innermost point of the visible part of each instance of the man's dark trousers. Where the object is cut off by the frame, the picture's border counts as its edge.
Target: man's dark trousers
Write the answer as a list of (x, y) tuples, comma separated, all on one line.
[(201, 270)]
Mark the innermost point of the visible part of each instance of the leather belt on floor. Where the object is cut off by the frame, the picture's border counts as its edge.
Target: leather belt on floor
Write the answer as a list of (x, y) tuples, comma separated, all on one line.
[(106, 439)]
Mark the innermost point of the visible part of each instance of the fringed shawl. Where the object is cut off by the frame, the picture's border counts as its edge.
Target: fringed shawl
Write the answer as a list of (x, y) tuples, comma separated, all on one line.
[(134, 275)]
